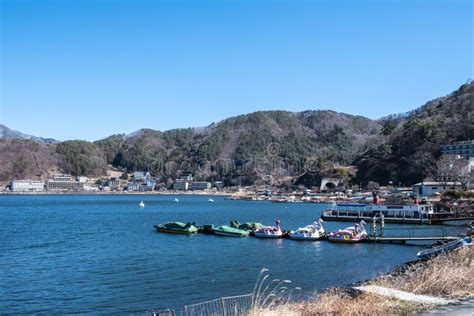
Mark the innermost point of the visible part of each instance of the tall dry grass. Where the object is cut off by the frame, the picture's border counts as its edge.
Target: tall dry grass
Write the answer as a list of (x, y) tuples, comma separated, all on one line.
[(447, 275), (337, 302)]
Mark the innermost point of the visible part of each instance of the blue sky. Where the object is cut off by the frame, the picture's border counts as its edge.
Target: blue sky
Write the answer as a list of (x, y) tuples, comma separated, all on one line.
[(87, 69)]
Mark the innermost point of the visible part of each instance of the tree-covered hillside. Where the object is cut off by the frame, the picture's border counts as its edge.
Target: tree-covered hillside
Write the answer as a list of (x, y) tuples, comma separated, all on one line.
[(244, 149), (412, 142)]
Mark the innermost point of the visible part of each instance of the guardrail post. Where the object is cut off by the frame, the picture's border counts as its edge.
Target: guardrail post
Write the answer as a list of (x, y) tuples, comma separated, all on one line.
[(223, 307)]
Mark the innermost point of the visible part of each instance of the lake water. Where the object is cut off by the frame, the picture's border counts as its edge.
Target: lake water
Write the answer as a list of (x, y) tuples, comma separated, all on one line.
[(101, 253)]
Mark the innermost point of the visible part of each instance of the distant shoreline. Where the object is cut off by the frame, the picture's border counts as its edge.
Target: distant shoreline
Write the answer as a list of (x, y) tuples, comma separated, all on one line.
[(200, 193)]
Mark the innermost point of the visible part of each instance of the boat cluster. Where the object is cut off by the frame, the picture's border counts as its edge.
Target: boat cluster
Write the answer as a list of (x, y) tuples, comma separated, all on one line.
[(314, 231)]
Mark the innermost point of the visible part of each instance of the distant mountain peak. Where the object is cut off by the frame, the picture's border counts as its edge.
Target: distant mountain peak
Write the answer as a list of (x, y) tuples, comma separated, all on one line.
[(7, 133)]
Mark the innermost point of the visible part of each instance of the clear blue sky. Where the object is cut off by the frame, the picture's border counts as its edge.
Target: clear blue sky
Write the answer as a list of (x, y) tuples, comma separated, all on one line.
[(88, 69)]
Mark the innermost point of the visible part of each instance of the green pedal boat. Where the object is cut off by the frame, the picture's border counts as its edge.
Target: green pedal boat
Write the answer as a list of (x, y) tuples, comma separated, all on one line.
[(225, 230), (177, 228)]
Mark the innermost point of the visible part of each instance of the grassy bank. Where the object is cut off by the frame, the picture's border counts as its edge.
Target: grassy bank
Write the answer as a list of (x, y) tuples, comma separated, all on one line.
[(447, 275)]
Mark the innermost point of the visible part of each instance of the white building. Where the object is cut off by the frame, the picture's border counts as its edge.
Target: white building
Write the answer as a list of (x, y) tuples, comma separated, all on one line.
[(82, 179), (27, 186), (200, 186), (64, 182), (133, 186), (181, 184), (431, 188)]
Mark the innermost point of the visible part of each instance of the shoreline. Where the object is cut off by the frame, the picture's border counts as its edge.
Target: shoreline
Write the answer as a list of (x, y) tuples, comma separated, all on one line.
[(448, 276), (197, 193)]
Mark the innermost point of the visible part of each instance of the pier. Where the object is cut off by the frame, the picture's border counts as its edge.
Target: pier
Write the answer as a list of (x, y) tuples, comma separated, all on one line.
[(379, 234)]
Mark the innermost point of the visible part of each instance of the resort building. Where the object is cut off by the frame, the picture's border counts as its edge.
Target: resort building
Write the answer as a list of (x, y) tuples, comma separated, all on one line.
[(132, 186), (27, 186), (62, 182), (113, 184), (200, 186), (139, 176), (82, 179), (181, 184), (464, 149), (423, 189)]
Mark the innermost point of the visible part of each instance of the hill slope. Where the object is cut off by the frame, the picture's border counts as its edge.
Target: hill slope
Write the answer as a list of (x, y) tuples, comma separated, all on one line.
[(243, 149), (412, 142), (6, 134)]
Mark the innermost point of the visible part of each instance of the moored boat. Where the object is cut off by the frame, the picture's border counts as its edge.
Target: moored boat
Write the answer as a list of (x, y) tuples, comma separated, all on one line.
[(463, 242), (423, 213), (225, 230), (177, 228), (141, 204), (269, 231), (352, 234), (248, 226), (397, 214), (310, 232)]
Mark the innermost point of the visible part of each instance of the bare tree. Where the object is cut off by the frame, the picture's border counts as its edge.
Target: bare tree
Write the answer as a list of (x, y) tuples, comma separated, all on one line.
[(452, 168)]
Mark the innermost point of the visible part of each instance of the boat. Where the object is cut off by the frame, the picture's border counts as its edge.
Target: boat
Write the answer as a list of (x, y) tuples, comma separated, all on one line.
[(398, 214), (352, 234), (141, 204), (210, 200), (463, 242), (249, 226), (176, 200), (310, 232), (225, 230), (177, 228), (270, 231)]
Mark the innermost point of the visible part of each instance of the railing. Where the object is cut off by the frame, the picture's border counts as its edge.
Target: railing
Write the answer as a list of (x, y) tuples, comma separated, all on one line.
[(225, 306), (415, 232)]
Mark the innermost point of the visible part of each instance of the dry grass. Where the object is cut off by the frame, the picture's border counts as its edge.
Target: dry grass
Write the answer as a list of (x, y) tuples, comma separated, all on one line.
[(337, 302), (447, 275)]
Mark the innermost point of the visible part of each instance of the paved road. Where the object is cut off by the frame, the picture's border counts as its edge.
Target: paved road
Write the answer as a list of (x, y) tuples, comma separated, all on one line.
[(464, 307)]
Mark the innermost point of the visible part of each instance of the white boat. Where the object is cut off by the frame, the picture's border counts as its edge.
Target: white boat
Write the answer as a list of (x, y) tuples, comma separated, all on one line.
[(269, 231), (141, 204), (176, 200), (352, 234), (400, 214), (450, 246), (310, 232), (210, 200)]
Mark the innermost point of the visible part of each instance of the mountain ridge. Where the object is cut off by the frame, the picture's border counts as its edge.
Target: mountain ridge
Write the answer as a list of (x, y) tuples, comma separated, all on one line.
[(7, 133), (242, 149)]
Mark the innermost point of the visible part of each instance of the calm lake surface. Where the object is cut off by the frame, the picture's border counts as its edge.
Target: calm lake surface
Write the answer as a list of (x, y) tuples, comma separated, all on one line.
[(100, 253)]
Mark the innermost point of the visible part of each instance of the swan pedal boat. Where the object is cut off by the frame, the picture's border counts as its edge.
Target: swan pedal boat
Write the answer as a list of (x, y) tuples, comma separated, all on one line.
[(310, 232), (353, 234), (269, 231)]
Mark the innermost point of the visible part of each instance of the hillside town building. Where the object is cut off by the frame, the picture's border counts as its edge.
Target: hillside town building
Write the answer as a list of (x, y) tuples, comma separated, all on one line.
[(27, 186), (62, 182), (200, 186), (424, 189)]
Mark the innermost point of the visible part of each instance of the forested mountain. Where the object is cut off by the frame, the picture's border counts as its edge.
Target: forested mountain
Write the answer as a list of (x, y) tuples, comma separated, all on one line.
[(246, 148), (412, 142)]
